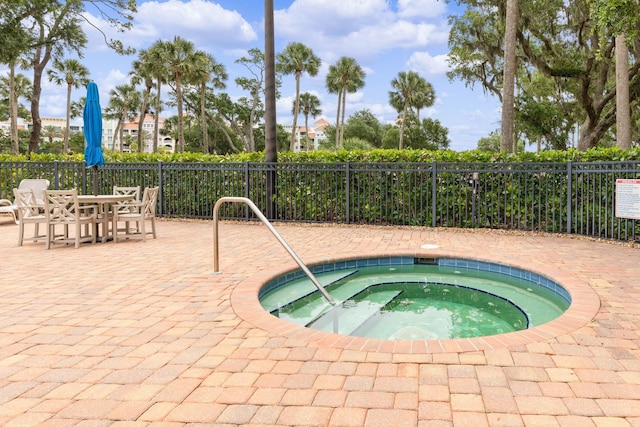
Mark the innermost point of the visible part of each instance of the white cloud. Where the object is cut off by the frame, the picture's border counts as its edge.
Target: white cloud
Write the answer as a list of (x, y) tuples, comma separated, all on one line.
[(421, 8), (207, 25), (361, 29), (423, 61), (202, 22), (330, 18)]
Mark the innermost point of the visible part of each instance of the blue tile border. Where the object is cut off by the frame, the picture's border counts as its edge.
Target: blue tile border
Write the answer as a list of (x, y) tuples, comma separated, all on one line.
[(469, 264)]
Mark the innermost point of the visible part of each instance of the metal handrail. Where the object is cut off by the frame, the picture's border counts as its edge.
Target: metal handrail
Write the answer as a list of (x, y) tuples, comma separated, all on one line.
[(266, 222)]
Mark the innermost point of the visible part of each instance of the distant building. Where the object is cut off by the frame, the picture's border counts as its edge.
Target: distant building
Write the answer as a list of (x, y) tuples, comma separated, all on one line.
[(315, 134), (110, 140), (130, 135)]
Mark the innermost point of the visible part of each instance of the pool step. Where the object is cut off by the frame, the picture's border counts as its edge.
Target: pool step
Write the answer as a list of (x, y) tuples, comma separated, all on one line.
[(349, 316), (272, 302)]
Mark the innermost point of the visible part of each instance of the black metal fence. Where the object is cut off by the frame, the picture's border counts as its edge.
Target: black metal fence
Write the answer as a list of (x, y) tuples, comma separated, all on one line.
[(576, 198)]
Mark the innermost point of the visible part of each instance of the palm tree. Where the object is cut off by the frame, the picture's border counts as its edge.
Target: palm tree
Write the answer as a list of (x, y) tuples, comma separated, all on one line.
[(123, 103), (181, 59), (143, 72), (297, 58), (75, 75), (158, 69), (346, 76), (12, 87), (207, 69), (409, 89), (423, 98), (51, 133), (310, 105), (270, 126)]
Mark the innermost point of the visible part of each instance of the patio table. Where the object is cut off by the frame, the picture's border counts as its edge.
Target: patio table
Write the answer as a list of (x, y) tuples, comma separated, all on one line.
[(103, 201)]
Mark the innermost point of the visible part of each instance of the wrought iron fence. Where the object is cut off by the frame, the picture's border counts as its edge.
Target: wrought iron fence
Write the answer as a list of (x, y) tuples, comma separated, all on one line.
[(575, 198)]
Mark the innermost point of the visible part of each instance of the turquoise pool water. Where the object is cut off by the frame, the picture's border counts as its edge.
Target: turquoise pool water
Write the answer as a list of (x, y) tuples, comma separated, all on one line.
[(404, 298)]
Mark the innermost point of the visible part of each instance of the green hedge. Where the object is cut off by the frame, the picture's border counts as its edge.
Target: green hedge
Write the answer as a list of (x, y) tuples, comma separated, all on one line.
[(409, 156)]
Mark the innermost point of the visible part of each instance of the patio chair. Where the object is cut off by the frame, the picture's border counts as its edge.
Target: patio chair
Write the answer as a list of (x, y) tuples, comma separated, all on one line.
[(29, 212), (37, 185), (8, 207), (138, 212), (133, 191), (62, 208)]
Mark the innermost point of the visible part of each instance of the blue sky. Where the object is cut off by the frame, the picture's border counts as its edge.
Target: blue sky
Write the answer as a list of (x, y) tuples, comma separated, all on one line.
[(385, 37)]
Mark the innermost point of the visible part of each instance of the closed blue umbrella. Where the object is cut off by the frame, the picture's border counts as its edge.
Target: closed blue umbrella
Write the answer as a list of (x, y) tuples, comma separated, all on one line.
[(92, 117)]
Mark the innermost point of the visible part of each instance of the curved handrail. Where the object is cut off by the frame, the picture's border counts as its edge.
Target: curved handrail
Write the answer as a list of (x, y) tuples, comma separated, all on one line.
[(266, 222)]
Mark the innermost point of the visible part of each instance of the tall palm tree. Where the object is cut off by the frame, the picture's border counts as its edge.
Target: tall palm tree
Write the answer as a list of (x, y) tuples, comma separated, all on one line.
[(333, 86), (270, 132), (310, 105), (75, 75), (424, 97), (207, 70), (297, 58), (181, 59), (158, 69), (143, 72), (409, 87), (124, 101), (346, 76), (13, 87)]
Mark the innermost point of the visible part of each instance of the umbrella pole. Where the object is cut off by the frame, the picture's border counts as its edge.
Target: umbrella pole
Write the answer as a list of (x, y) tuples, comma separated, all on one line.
[(95, 180), (95, 193)]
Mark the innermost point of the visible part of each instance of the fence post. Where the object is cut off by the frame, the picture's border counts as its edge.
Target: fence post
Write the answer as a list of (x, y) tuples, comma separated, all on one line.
[(569, 195), (56, 175), (160, 184), (434, 192), (247, 193), (347, 193)]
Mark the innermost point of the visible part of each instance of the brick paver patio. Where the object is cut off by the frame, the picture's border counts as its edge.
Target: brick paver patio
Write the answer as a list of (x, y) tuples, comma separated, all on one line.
[(140, 333)]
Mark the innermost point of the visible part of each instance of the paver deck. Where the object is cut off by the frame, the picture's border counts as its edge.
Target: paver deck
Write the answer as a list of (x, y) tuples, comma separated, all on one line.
[(142, 333)]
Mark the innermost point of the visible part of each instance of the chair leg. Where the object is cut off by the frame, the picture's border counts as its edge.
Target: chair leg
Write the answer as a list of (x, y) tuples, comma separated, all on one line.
[(153, 226), (49, 234), (142, 230), (114, 228), (78, 234), (21, 233)]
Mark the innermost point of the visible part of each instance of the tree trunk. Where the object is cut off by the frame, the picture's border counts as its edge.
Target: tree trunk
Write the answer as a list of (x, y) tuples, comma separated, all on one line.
[(143, 115), (344, 107), (203, 119), (623, 107), (65, 146), (156, 119), (271, 143), (13, 103), (296, 110), (338, 142), (404, 116), (180, 114), (508, 97), (34, 141)]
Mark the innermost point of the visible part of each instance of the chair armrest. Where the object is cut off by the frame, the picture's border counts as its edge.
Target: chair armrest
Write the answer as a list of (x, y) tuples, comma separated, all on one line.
[(5, 202), (126, 206)]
